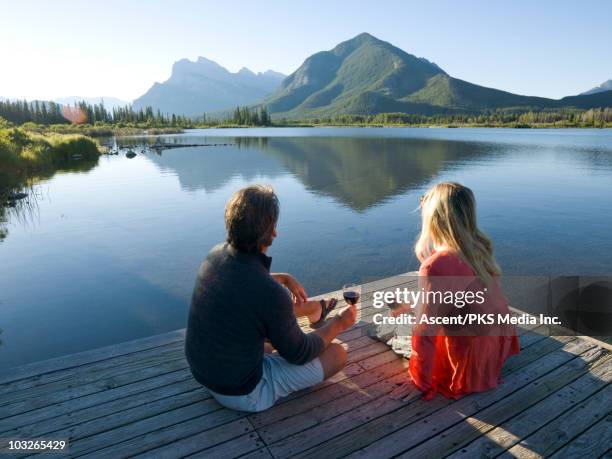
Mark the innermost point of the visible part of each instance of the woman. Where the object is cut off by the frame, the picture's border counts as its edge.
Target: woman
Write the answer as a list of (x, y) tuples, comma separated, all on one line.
[(456, 256)]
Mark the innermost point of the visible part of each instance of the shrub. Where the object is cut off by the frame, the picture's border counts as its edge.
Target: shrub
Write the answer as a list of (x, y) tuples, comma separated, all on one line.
[(24, 155)]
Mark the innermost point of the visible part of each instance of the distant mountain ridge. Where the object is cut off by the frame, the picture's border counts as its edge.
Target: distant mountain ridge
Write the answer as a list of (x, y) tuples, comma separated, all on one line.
[(605, 86), (365, 75), (360, 76), (109, 102), (205, 86)]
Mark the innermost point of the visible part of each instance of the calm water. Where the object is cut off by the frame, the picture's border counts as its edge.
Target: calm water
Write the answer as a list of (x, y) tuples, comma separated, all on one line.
[(111, 254)]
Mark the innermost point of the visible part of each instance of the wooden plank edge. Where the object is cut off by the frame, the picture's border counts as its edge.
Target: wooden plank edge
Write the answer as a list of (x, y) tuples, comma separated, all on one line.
[(93, 355)]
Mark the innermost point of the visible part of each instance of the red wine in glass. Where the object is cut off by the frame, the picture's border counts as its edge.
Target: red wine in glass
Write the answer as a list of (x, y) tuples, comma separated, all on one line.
[(351, 293)]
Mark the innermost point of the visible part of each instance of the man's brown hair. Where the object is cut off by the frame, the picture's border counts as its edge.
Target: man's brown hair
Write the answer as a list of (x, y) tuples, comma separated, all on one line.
[(250, 217)]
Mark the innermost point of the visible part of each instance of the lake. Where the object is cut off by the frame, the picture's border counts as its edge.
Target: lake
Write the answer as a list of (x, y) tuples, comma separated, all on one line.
[(110, 254)]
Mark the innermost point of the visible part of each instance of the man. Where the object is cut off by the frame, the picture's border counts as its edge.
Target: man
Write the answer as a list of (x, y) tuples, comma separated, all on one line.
[(237, 306)]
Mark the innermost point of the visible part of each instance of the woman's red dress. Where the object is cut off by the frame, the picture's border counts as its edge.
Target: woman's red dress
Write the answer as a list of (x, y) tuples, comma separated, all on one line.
[(458, 365)]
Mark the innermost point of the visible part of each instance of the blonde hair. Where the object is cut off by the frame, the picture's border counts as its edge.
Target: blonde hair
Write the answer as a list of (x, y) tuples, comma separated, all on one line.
[(448, 212)]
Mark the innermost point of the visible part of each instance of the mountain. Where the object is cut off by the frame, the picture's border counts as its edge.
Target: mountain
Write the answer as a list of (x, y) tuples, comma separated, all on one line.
[(109, 102), (365, 75), (605, 86), (597, 100), (204, 86)]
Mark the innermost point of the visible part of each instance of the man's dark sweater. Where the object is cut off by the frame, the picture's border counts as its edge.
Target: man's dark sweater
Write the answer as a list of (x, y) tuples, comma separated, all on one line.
[(236, 305)]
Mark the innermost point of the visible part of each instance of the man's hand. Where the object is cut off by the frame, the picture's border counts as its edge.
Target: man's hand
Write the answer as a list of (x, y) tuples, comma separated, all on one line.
[(293, 285), (340, 323), (347, 317)]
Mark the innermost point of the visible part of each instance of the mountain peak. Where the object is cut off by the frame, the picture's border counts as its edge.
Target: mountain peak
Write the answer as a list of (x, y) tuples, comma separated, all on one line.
[(272, 73), (605, 86), (201, 64), (364, 37), (362, 68), (246, 72), (200, 86)]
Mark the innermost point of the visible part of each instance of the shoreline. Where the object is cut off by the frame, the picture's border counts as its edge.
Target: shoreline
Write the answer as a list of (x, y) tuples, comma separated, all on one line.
[(111, 131), (428, 126)]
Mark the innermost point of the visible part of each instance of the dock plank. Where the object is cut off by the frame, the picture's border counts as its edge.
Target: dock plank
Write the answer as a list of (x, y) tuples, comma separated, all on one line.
[(235, 448), (69, 407), (122, 421), (138, 399), (557, 433), (62, 395), (279, 434), (509, 433), (203, 443), (143, 395), (94, 370), (468, 427), (156, 431), (262, 453), (328, 394), (35, 369), (174, 442), (7, 401), (390, 420), (594, 442)]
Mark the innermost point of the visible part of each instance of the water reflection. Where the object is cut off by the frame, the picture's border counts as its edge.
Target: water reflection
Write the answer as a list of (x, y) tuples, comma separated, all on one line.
[(362, 173), (25, 210), (210, 168), (357, 172)]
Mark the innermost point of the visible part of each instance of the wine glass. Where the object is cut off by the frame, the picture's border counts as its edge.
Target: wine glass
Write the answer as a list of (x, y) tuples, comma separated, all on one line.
[(351, 294)]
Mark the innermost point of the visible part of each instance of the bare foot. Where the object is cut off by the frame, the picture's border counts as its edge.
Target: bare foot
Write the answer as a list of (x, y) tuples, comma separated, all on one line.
[(317, 310)]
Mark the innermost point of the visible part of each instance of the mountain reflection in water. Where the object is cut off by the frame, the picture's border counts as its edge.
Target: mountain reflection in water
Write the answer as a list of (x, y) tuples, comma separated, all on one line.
[(357, 172)]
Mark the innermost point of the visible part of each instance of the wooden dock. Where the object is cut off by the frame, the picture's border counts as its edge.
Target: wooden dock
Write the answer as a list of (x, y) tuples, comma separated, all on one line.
[(139, 399)]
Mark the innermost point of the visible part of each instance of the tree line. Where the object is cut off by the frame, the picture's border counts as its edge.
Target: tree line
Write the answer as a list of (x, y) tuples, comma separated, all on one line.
[(49, 113), (594, 117), (245, 116), (21, 111), (46, 113)]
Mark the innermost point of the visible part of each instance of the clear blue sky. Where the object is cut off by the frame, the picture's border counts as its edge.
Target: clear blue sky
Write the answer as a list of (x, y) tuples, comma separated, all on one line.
[(119, 48)]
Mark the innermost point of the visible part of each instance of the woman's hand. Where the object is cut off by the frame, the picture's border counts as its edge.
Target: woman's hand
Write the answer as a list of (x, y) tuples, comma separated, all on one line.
[(293, 285)]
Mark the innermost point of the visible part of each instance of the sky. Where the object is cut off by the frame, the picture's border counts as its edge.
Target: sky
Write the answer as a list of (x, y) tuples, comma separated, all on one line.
[(120, 48)]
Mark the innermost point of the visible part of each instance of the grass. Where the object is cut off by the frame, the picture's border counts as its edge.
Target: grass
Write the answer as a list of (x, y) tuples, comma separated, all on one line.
[(28, 157), (27, 152), (25, 156), (121, 130), (99, 130)]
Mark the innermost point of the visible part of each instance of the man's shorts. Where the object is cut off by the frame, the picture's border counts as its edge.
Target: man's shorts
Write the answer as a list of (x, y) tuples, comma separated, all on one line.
[(280, 378)]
